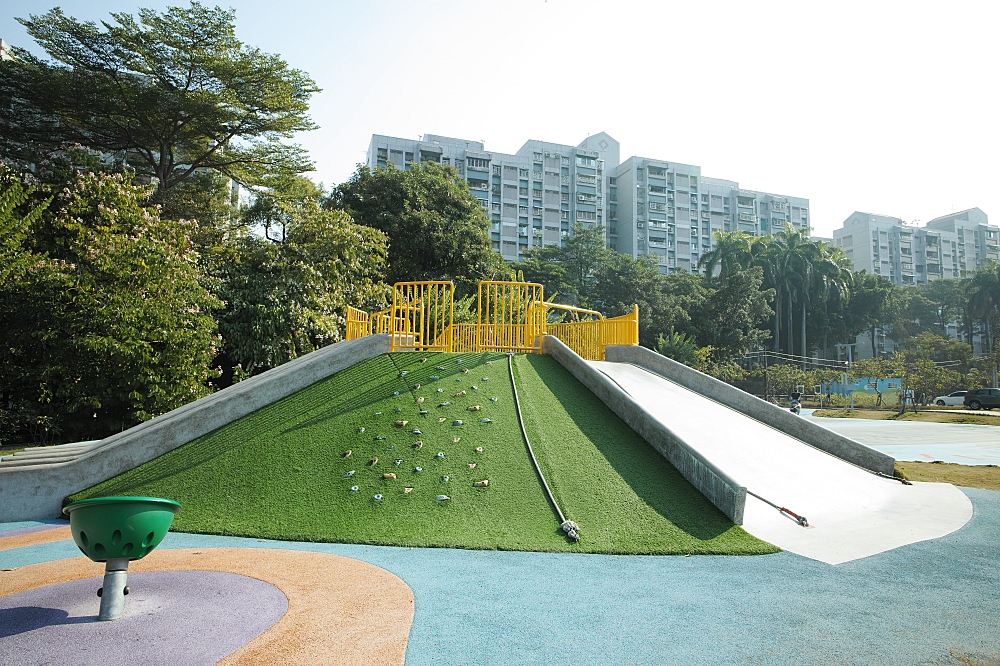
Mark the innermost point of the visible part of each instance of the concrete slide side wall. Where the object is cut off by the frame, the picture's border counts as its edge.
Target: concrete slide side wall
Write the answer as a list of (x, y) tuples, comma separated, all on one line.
[(752, 406), (720, 489), (36, 492)]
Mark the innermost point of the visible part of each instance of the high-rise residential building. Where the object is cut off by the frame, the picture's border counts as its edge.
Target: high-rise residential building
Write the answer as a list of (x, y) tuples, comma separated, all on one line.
[(946, 247), (646, 206)]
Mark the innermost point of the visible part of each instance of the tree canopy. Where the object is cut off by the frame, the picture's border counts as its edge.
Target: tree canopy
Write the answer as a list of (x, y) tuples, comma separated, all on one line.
[(169, 94)]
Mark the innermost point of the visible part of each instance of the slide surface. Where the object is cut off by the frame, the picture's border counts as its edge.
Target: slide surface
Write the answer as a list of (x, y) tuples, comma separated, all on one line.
[(852, 513)]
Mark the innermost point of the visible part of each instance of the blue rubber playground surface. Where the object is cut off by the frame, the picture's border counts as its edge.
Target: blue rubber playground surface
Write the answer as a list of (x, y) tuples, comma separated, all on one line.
[(921, 604)]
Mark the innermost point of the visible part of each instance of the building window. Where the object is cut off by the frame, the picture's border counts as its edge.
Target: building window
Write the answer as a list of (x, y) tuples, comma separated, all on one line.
[(383, 154), (477, 163)]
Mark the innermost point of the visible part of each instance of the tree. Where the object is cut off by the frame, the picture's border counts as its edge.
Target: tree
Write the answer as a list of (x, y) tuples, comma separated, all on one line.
[(437, 229), (874, 304), (730, 253), (287, 296), (733, 312), (15, 259), (170, 94), (110, 325)]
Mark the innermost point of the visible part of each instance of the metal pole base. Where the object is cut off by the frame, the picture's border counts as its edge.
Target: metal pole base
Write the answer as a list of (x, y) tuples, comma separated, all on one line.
[(113, 592)]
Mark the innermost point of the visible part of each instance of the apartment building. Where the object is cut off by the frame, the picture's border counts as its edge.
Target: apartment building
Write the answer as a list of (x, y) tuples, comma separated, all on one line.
[(946, 247), (531, 196), (650, 207)]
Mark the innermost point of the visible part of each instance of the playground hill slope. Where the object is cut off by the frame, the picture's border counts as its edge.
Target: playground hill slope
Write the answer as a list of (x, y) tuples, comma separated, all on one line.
[(283, 471)]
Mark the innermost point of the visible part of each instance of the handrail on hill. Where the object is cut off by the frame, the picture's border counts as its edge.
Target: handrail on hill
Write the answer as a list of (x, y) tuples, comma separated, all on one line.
[(511, 316)]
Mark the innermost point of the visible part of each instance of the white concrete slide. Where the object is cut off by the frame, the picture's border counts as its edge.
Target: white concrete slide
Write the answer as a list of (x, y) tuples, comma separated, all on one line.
[(851, 511)]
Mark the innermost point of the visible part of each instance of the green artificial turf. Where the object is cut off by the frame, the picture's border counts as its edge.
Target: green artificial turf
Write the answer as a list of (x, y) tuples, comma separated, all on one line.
[(624, 495), (279, 472)]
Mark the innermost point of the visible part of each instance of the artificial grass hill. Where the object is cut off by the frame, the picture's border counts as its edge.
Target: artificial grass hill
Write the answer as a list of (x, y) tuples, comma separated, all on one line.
[(280, 472)]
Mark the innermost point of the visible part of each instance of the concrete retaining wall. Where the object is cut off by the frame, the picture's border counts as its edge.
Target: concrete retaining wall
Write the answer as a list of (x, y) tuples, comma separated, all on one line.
[(720, 489), (36, 492), (752, 406)]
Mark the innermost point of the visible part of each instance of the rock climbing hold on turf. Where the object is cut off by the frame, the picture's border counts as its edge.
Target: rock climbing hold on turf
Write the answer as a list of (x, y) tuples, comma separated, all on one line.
[(403, 373), (465, 371), (481, 484), (458, 360), (441, 498), (418, 444), (423, 412), (379, 438), (444, 404), (377, 498), (400, 424), (399, 409), (446, 479), (479, 449), (475, 388), (489, 362), (395, 392), (440, 454), (486, 420), (416, 387), (418, 469), (397, 463), (407, 490), (485, 379), (456, 439), (441, 420), (391, 447), (354, 489), (349, 474), (460, 394), (423, 360), (416, 432), (493, 399), (389, 475), (373, 462), (457, 422), (347, 453), (435, 377), (361, 429), (472, 465), (474, 408), (439, 367), (420, 401), (458, 380)]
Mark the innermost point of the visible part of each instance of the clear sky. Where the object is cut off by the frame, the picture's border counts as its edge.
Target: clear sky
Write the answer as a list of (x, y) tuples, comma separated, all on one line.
[(885, 107)]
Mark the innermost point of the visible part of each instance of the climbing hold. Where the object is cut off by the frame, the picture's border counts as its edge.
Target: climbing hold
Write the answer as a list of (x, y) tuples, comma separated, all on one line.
[(354, 489), (444, 404), (479, 449), (418, 469), (423, 360), (486, 420), (456, 439), (395, 392), (474, 408), (416, 386), (440, 390), (472, 465), (460, 394), (457, 422), (379, 438), (446, 479), (435, 377), (389, 475), (465, 371), (400, 424), (489, 362), (485, 378), (418, 444), (361, 429), (441, 420), (397, 463), (420, 401), (377, 498), (407, 490), (439, 367), (347, 453), (423, 412), (440, 454), (403, 373), (378, 413), (481, 484), (475, 388), (391, 447), (416, 432), (493, 399), (399, 409), (349, 474), (441, 498), (458, 360), (373, 462)]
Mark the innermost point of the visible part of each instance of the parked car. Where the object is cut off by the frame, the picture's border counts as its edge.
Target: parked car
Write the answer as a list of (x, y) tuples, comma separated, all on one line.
[(984, 398), (952, 399)]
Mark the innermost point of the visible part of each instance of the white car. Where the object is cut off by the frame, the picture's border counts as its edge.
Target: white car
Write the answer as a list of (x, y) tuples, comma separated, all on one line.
[(956, 399)]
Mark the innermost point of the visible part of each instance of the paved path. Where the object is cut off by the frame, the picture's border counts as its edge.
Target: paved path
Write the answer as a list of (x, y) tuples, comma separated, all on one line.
[(906, 606), (961, 443), (852, 513)]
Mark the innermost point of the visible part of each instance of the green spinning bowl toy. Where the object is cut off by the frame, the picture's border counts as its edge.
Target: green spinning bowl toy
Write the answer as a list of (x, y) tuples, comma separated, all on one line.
[(115, 530)]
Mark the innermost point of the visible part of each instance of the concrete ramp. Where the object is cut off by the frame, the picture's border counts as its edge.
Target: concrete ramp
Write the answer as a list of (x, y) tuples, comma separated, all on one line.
[(852, 512)]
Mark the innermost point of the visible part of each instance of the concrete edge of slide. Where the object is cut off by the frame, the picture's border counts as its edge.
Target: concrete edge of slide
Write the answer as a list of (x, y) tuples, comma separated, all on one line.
[(778, 418), (36, 492), (720, 489)]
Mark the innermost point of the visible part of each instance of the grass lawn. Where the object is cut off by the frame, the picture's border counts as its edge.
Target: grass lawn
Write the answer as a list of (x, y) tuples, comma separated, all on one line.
[(972, 476), (280, 472), (931, 416)]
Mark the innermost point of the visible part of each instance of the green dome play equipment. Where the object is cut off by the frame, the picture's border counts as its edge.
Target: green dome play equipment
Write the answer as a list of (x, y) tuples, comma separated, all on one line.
[(115, 530)]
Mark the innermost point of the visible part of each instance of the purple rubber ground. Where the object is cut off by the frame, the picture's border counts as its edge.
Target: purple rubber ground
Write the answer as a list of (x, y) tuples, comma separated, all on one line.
[(171, 618)]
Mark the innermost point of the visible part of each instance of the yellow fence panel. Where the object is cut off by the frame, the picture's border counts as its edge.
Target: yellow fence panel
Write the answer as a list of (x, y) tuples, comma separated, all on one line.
[(358, 324), (421, 315), (511, 316)]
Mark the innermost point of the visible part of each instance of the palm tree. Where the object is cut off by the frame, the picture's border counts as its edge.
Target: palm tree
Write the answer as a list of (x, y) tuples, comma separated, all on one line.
[(833, 280), (731, 251)]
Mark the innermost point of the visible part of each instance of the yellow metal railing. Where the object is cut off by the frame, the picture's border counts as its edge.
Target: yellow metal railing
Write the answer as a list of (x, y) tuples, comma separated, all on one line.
[(512, 316)]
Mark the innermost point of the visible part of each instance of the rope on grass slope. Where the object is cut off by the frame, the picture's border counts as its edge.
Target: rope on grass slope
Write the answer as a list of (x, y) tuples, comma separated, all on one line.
[(571, 529)]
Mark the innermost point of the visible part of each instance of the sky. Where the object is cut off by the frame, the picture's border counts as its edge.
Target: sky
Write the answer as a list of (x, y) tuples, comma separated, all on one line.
[(883, 107)]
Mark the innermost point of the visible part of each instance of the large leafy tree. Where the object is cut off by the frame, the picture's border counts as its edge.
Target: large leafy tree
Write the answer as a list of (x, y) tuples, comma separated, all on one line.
[(170, 93), (437, 229), (110, 325)]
